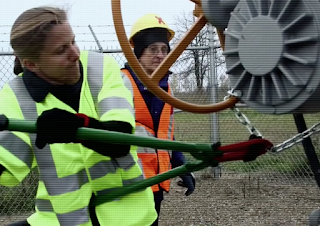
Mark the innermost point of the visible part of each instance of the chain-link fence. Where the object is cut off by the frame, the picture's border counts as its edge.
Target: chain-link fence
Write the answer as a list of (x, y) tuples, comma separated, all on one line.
[(290, 166)]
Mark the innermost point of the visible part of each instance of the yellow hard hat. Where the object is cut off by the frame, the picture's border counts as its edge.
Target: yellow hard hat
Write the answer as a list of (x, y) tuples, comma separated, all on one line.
[(149, 21)]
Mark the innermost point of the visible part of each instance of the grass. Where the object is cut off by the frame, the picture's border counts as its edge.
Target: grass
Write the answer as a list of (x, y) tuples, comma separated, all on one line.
[(276, 128)]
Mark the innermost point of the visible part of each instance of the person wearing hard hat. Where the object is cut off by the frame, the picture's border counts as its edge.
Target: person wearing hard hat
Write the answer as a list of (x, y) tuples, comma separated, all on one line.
[(150, 37)]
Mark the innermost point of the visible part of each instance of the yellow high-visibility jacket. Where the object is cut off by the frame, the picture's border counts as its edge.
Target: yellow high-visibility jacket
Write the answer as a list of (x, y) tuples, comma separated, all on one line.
[(71, 173)]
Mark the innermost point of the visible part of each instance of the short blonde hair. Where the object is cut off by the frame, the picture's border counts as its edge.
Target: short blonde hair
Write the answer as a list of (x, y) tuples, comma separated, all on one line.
[(29, 31)]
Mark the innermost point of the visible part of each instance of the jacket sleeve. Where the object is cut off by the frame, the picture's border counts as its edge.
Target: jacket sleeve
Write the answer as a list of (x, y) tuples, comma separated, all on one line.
[(177, 158), (16, 155), (115, 108), (115, 101)]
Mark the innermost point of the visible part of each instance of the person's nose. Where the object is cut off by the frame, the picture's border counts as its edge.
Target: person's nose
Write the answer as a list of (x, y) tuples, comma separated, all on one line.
[(74, 53)]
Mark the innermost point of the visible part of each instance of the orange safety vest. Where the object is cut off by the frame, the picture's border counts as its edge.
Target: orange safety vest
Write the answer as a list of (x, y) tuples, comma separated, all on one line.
[(153, 161)]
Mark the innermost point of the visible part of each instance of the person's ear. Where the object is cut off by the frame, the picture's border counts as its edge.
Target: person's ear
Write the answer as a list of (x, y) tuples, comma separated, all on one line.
[(30, 65)]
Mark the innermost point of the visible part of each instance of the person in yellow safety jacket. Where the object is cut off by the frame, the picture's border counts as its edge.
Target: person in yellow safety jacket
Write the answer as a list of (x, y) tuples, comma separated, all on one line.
[(63, 89), (150, 37)]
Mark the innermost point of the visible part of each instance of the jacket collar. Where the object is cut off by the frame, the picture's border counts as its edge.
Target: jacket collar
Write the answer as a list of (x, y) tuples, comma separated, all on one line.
[(39, 88)]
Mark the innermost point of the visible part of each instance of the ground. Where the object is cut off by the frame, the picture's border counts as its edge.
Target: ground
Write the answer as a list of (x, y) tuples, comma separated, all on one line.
[(237, 200), (232, 200)]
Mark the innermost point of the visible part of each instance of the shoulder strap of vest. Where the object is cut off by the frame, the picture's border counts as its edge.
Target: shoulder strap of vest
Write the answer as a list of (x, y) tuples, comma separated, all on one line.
[(127, 81), (27, 104), (95, 73), (141, 109)]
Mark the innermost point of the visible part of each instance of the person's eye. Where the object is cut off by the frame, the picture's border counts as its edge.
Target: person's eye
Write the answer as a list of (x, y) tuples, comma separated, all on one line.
[(153, 49), (61, 50), (164, 50)]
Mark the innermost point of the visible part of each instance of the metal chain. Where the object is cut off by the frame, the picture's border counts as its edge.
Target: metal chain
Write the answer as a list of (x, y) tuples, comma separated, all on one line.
[(245, 121), (296, 139), (241, 117), (280, 147)]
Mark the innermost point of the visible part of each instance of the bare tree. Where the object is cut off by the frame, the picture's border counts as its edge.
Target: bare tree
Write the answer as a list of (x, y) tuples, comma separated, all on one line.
[(194, 64)]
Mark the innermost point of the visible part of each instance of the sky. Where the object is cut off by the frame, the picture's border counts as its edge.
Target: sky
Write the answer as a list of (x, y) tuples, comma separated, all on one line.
[(97, 13)]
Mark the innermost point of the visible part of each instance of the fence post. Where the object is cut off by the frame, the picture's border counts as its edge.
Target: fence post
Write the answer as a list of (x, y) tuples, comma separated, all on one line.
[(96, 39), (213, 94)]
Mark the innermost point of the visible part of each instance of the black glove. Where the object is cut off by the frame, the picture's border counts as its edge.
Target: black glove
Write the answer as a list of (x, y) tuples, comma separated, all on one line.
[(60, 126), (188, 181), (57, 126)]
